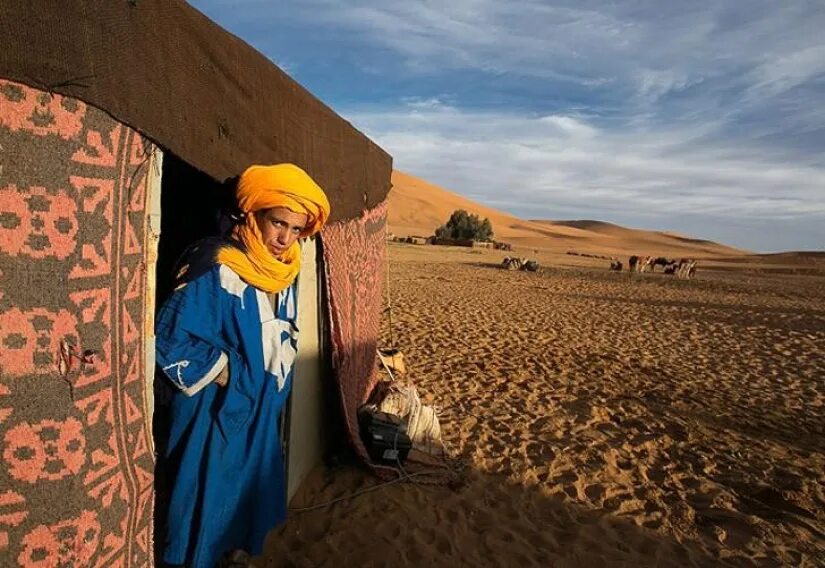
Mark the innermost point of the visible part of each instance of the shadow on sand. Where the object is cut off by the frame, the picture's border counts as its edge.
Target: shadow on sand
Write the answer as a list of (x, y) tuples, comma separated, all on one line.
[(488, 521)]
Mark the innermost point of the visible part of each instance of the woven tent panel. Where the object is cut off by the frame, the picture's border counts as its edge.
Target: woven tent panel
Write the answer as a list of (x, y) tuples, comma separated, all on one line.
[(191, 87), (354, 253), (76, 464)]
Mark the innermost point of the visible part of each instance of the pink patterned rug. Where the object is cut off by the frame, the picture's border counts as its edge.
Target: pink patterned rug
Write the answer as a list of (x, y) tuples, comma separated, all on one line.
[(76, 467)]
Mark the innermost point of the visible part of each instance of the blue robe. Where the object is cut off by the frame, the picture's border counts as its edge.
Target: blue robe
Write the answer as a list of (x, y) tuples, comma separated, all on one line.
[(224, 449)]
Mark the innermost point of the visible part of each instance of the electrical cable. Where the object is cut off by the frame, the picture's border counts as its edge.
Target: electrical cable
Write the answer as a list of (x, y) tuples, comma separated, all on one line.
[(359, 493)]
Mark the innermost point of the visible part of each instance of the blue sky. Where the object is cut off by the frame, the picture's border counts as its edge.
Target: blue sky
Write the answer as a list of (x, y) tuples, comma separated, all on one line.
[(703, 117)]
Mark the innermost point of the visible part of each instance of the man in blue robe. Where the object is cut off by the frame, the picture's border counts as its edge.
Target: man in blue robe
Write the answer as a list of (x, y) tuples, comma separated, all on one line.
[(226, 339)]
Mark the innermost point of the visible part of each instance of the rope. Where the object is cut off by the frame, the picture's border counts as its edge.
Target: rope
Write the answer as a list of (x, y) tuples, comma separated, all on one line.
[(386, 367)]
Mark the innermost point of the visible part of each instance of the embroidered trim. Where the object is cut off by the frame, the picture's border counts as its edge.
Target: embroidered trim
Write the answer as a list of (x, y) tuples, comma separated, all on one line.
[(208, 378), (177, 366)]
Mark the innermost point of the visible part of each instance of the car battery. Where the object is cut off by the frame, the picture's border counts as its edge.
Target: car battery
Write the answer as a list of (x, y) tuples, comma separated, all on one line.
[(385, 437)]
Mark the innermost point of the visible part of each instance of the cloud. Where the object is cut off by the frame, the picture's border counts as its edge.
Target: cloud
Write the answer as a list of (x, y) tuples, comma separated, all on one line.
[(541, 166), (653, 47), (655, 84), (784, 72), (569, 125), (419, 103)]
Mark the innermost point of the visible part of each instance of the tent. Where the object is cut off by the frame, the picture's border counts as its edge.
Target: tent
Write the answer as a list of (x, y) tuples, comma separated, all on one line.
[(120, 123)]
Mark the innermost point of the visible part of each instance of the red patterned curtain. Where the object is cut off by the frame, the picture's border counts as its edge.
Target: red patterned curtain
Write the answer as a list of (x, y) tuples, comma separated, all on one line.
[(76, 465), (354, 255)]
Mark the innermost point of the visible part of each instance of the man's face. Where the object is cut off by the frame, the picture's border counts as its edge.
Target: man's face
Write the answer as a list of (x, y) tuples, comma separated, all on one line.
[(280, 227)]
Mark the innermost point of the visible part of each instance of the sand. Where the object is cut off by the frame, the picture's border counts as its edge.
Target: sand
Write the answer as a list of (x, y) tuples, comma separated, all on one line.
[(603, 419)]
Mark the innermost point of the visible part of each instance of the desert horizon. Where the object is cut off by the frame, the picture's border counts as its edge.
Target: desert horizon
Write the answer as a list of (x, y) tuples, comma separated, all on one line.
[(418, 207)]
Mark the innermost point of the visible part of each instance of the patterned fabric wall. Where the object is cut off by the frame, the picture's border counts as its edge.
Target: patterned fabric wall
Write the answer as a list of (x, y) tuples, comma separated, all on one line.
[(76, 465), (354, 255)]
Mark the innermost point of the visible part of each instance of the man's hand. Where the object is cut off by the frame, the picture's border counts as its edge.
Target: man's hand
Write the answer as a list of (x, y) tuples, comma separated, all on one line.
[(223, 377)]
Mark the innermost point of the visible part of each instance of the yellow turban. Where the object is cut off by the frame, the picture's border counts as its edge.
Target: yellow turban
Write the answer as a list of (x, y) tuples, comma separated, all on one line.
[(265, 187)]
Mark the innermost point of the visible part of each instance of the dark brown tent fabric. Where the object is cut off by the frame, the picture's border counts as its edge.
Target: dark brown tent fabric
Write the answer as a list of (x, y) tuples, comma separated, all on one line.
[(166, 70)]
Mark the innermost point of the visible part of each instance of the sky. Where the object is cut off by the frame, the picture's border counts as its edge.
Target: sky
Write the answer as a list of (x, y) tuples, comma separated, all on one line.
[(703, 117)]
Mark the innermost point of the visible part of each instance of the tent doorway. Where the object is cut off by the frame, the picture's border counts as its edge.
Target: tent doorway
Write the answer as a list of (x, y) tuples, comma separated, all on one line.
[(191, 203), (188, 207)]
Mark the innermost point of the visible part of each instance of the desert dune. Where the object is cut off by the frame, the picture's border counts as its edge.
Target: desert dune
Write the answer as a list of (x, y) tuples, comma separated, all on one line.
[(418, 208)]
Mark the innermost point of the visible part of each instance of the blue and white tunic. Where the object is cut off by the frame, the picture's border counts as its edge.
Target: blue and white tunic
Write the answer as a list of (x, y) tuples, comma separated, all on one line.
[(224, 447)]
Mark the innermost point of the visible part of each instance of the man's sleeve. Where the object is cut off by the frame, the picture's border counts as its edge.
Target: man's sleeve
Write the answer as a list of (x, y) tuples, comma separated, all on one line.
[(188, 342)]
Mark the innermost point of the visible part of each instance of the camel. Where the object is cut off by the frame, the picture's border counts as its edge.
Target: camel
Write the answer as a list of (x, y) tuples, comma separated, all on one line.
[(638, 263), (530, 266), (683, 269), (659, 261), (515, 263), (686, 269)]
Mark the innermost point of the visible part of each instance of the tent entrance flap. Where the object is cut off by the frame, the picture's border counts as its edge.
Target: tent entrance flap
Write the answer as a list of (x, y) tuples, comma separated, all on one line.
[(306, 439)]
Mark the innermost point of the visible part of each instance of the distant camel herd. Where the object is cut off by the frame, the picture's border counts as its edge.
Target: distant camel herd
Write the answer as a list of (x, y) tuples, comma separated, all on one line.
[(683, 268)]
